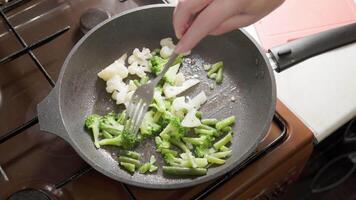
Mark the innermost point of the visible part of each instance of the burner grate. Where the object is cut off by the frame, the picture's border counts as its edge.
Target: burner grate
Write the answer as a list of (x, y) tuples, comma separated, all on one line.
[(27, 49)]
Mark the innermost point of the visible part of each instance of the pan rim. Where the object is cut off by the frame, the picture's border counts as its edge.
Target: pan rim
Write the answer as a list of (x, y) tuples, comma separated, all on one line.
[(193, 182)]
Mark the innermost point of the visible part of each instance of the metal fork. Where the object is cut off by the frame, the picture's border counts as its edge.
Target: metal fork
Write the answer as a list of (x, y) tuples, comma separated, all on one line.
[(142, 98)]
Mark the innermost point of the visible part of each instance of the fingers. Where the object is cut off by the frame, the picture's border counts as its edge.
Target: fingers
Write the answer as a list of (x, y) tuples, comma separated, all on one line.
[(185, 12), (252, 12), (207, 20), (233, 23)]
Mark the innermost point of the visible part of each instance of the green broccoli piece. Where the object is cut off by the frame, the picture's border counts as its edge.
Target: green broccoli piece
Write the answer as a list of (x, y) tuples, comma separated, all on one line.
[(225, 122), (215, 160), (157, 63), (159, 102), (148, 126), (203, 140), (131, 154), (121, 117), (161, 144), (184, 171), (93, 122), (129, 160), (226, 139), (128, 140), (106, 135), (202, 144), (125, 140), (171, 159), (178, 143), (128, 166), (109, 124), (149, 166), (200, 151)]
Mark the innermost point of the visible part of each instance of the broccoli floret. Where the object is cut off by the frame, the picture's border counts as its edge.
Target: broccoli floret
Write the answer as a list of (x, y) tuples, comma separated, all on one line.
[(125, 140), (128, 140), (109, 124), (93, 122), (157, 63), (202, 144), (200, 151), (148, 126), (174, 128)]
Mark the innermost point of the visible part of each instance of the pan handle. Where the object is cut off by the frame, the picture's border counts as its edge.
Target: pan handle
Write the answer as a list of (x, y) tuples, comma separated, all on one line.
[(49, 115), (299, 50)]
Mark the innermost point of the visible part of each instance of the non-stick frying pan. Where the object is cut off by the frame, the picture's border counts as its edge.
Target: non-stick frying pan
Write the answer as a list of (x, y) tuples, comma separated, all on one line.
[(79, 92)]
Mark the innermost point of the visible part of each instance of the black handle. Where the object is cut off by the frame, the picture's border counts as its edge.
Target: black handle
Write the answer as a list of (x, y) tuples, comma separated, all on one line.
[(298, 50)]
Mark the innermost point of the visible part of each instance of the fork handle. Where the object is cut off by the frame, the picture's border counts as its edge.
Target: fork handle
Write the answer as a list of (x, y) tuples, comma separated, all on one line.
[(171, 60)]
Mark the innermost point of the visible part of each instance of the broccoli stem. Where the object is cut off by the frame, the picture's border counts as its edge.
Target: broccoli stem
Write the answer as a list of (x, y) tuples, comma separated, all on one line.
[(226, 139), (131, 154), (121, 117), (225, 122), (179, 171), (128, 166), (110, 129), (179, 144), (215, 67), (170, 151), (144, 168), (215, 160), (107, 135), (212, 76), (209, 122), (203, 126), (219, 77), (191, 160), (224, 148), (227, 129), (222, 154), (96, 134), (194, 141), (200, 131), (129, 160), (116, 141), (153, 168)]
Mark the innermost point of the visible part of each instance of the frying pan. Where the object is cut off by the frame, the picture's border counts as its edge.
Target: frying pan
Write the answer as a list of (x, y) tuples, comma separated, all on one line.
[(79, 92)]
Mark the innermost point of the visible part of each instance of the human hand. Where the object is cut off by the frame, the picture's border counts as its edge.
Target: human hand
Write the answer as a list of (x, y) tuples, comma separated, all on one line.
[(195, 19)]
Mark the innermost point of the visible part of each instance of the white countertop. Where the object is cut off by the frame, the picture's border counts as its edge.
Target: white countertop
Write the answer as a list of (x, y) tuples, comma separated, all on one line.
[(321, 91)]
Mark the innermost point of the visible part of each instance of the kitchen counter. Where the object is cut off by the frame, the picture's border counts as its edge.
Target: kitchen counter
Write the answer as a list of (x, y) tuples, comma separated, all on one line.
[(321, 91)]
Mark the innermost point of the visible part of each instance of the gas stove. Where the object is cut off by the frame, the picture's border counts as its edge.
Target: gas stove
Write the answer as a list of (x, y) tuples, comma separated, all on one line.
[(35, 38)]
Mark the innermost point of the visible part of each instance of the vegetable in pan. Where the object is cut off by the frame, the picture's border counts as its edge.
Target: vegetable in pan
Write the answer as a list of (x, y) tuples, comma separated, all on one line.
[(189, 144)]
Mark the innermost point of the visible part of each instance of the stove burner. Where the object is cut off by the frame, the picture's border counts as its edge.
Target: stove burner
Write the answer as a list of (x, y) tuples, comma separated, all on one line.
[(29, 194), (91, 18)]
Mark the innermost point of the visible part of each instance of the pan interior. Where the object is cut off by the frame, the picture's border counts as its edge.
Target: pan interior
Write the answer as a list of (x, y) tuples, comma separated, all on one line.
[(247, 80)]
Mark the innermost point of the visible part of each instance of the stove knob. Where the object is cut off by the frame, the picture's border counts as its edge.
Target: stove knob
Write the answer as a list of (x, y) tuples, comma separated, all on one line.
[(91, 18)]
